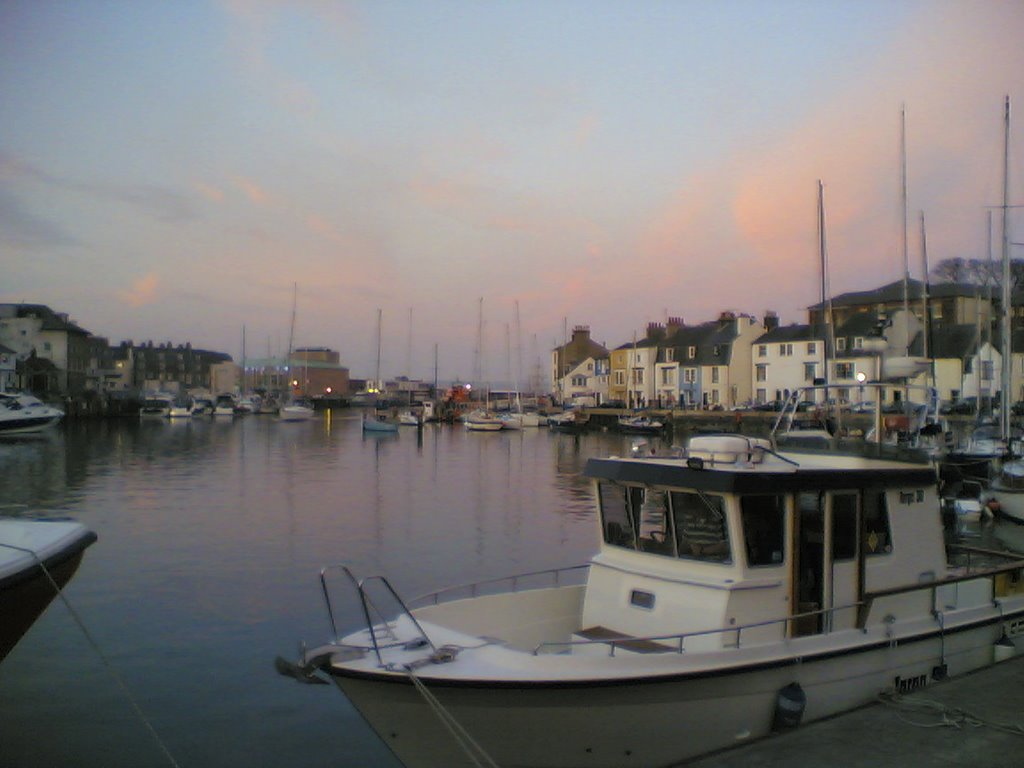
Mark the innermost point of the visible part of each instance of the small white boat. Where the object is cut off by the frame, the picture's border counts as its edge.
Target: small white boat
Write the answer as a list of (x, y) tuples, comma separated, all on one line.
[(1007, 488), (409, 419), (22, 414), (296, 410), (225, 405), (32, 552), (378, 422), (156, 406), (640, 425), (181, 408), (483, 421), (202, 405), (520, 420), (738, 588)]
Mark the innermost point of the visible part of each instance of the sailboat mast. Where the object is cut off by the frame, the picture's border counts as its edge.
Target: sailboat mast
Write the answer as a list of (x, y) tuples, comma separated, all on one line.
[(826, 301), (1004, 400), (377, 381), (903, 230), (291, 335)]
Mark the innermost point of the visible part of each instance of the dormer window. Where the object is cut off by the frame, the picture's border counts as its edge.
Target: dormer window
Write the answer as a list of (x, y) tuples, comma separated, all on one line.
[(841, 344), (691, 352)]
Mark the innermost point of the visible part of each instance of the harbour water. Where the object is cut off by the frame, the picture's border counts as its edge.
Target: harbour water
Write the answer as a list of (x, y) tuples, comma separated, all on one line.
[(211, 538)]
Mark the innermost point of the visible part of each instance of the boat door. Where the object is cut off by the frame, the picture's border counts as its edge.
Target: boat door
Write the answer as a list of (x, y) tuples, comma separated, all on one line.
[(826, 571)]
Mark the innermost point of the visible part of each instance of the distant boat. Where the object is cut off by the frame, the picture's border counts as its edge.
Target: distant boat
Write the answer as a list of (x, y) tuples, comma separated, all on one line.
[(156, 406), (31, 553), (378, 423), (180, 408), (299, 409), (23, 414), (640, 425), (225, 405), (483, 421), (202, 405)]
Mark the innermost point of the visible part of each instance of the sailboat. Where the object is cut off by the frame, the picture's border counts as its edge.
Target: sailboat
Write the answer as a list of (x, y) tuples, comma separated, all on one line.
[(518, 418), (377, 421), (482, 419), (294, 409), (1007, 488)]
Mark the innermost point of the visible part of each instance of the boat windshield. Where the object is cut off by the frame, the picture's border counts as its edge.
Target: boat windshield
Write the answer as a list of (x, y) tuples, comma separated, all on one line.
[(701, 532)]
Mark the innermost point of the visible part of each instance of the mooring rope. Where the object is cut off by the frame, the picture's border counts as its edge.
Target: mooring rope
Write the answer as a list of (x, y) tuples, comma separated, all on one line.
[(95, 646), (477, 754), (948, 717)]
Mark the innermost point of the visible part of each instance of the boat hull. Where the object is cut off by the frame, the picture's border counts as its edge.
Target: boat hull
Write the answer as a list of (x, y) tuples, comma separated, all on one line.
[(653, 721), (25, 589)]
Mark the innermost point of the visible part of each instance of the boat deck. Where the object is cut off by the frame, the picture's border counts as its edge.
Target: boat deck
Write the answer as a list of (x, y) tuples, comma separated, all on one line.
[(903, 733)]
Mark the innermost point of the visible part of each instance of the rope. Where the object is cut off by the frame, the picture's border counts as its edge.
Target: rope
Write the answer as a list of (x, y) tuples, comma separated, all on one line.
[(106, 662), (946, 716), (477, 755)]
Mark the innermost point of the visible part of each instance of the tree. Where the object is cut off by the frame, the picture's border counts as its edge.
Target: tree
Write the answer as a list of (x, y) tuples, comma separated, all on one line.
[(977, 271)]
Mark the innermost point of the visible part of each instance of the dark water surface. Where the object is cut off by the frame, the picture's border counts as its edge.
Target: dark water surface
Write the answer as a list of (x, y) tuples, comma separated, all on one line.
[(211, 538)]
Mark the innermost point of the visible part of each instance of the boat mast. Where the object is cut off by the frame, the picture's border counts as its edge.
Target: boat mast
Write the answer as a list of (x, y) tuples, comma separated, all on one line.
[(1004, 399), (377, 381), (291, 336), (826, 300), (903, 230)]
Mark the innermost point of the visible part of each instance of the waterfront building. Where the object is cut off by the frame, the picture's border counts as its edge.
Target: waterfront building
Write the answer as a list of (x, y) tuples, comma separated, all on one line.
[(317, 372), (568, 356), (8, 367), (587, 382), (786, 358), (51, 350)]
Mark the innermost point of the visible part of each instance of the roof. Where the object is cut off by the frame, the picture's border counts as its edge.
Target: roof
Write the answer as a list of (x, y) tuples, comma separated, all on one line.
[(51, 321), (794, 332), (893, 292)]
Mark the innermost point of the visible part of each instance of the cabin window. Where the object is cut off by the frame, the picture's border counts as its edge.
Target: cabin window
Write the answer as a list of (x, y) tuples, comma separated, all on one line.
[(877, 538), (653, 523), (764, 527), (701, 530), (615, 517), (844, 526)]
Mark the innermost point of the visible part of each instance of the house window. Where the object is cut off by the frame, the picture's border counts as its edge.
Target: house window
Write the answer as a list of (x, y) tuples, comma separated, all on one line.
[(844, 370), (762, 372), (689, 375), (858, 342), (841, 344), (620, 378), (667, 375), (691, 352), (762, 395), (812, 348), (638, 375), (579, 381), (714, 374), (716, 351), (809, 371), (786, 350), (670, 355), (986, 370), (936, 311), (762, 350)]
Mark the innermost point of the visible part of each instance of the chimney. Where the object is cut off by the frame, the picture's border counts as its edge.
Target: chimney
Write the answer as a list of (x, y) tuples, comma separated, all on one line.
[(674, 324), (771, 320)]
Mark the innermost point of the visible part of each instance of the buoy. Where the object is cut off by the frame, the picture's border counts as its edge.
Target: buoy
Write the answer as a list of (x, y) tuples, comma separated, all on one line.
[(789, 707)]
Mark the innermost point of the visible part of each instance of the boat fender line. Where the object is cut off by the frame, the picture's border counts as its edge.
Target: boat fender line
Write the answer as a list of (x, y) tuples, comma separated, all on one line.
[(477, 754), (99, 653)]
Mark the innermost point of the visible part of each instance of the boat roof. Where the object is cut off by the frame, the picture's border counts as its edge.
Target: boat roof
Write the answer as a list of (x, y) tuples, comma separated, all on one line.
[(775, 472)]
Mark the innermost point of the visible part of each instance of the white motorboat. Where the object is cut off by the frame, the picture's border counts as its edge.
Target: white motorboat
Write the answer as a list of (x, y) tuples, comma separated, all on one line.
[(520, 419), (156, 406), (36, 558), (1007, 489), (202, 405), (409, 419), (181, 408), (738, 588), (640, 425), (23, 414), (482, 421), (296, 410), (225, 405)]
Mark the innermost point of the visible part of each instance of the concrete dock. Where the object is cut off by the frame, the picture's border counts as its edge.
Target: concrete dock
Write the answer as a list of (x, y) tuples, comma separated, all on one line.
[(972, 721)]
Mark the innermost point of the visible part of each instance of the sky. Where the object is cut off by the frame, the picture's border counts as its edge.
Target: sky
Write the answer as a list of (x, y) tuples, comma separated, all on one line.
[(177, 172)]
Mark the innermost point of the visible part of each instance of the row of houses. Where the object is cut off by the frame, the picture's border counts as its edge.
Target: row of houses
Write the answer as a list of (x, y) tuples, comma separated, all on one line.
[(739, 359)]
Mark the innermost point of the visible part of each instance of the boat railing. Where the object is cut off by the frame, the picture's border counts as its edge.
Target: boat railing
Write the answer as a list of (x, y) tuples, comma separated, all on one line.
[(678, 639), (381, 624), (827, 615), (554, 577)]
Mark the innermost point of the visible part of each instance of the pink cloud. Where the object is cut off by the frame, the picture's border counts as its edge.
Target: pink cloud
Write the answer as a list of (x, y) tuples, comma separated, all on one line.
[(142, 292)]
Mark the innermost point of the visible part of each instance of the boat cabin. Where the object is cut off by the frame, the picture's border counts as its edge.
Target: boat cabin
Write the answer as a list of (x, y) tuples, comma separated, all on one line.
[(734, 534)]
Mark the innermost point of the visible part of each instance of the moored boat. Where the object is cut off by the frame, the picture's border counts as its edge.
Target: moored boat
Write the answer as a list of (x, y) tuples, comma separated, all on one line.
[(156, 406), (730, 579), (24, 414), (298, 409), (640, 425), (36, 558)]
